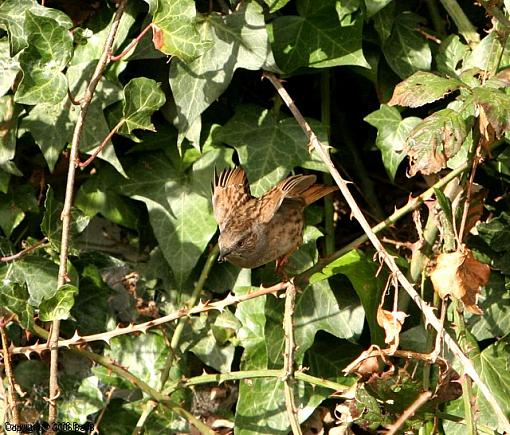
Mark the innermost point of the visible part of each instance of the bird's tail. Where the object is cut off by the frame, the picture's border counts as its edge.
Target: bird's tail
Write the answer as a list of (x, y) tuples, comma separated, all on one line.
[(316, 192)]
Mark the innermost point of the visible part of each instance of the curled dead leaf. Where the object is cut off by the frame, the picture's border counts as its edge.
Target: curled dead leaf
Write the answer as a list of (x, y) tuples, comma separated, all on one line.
[(391, 322), (368, 362), (460, 275), (157, 37)]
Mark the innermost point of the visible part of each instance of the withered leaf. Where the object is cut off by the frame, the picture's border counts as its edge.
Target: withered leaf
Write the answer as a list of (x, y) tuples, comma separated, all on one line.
[(434, 140), (495, 105), (391, 322), (422, 88), (460, 275)]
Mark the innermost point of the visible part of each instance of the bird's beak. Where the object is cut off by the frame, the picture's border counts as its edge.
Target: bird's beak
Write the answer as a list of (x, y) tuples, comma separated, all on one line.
[(223, 254)]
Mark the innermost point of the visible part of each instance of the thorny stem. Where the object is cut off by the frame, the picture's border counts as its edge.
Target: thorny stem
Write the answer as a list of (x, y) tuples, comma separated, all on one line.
[(11, 390), (409, 412), (66, 212), (428, 312), (288, 358)]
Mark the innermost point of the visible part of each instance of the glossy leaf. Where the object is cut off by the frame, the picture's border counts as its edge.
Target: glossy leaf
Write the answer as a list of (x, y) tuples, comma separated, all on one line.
[(58, 307), (142, 98), (48, 52), (238, 40), (392, 133), (268, 148), (406, 50), (322, 35), (175, 31), (14, 297)]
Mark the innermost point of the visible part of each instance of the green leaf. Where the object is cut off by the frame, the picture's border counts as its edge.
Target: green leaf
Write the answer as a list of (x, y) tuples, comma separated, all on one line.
[(13, 14), (275, 5), (495, 303), (496, 105), (99, 194), (422, 88), (79, 403), (49, 50), (14, 297), (52, 125), (268, 148), (51, 225), (175, 29), (13, 206), (58, 307), (406, 51), (360, 272), (9, 67), (145, 355), (374, 6), (451, 56), (40, 275), (392, 133), (239, 40), (143, 97), (179, 205), (486, 56), (434, 140), (9, 113), (323, 35)]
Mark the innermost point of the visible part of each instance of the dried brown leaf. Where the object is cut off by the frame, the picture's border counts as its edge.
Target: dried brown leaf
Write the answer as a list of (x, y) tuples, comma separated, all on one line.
[(391, 322)]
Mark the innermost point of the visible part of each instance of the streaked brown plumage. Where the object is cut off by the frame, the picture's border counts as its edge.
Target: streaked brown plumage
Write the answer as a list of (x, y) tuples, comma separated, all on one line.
[(255, 231)]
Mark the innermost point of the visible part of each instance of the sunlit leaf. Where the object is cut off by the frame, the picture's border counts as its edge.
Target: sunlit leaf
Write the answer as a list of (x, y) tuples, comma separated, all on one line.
[(58, 307)]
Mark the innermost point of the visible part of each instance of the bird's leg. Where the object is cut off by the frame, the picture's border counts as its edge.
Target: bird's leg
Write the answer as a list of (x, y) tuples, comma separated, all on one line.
[(280, 267)]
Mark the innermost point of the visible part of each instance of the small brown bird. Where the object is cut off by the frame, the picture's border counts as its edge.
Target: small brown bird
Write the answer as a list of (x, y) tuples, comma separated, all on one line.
[(255, 231)]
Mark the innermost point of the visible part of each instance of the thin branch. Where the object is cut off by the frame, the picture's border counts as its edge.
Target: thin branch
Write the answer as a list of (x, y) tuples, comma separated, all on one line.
[(132, 44), (66, 211), (288, 359), (25, 251), (11, 389), (143, 327), (103, 144), (409, 412), (387, 258)]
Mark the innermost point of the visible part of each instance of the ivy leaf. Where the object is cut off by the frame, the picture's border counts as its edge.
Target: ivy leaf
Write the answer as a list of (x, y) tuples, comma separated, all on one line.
[(52, 125), (13, 206), (9, 113), (179, 205), (358, 268), (9, 67), (451, 56), (77, 404), (392, 133), (40, 275), (268, 148), (486, 55), (434, 140), (49, 50), (239, 40), (142, 98), (58, 307), (496, 105), (175, 29), (422, 88), (406, 51), (275, 5), (323, 35), (51, 225), (13, 15), (14, 297), (374, 6)]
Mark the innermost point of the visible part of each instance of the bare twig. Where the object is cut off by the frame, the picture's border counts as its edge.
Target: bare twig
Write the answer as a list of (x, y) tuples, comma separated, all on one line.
[(66, 211), (288, 358), (388, 259), (109, 394), (102, 145), (132, 44), (409, 412), (24, 252), (11, 389), (143, 327)]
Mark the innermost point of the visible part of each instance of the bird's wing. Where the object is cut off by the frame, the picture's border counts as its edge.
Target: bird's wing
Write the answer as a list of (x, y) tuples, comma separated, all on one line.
[(291, 187), (230, 192)]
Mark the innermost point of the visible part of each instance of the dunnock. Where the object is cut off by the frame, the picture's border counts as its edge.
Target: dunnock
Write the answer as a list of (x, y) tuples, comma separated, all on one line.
[(255, 231)]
